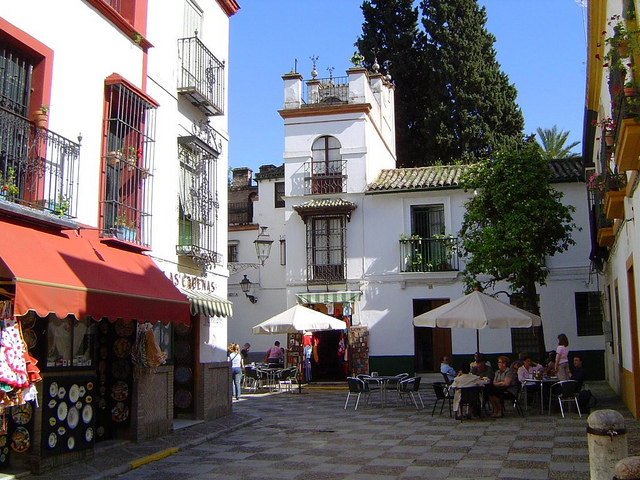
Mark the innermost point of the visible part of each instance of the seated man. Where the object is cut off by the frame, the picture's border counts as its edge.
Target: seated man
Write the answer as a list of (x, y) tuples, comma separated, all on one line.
[(482, 368), (476, 356), (447, 369), (465, 380), (275, 354), (578, 373), (528, 369)]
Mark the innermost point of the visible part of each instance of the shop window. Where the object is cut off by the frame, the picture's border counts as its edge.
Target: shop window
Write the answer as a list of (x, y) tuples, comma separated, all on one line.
[(588, 313), (70, 342)]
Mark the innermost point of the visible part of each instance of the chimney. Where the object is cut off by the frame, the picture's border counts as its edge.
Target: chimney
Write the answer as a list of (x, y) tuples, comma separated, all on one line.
[(241, 177)]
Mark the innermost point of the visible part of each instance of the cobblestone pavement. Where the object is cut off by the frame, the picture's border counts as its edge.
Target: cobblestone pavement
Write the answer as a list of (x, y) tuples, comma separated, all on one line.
[(310, 436)]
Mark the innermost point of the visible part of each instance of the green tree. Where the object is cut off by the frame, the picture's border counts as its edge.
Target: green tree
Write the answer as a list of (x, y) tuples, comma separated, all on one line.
[(553, 143), (453, 102), (513, 222)]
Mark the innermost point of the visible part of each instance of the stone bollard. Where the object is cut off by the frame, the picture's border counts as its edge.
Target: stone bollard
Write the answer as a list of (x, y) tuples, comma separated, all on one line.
[(607, 437), (627, 469)]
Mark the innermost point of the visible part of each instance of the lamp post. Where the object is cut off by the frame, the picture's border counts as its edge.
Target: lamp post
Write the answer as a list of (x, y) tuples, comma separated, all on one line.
[(245, 285), (263, 245)]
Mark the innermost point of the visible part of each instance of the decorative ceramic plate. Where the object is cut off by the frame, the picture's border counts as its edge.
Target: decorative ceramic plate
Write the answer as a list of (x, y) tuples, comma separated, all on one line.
[(20, 441), (62, 431), (100, 431), (62, 411), (82, 391), (21, 414), (121, 369), (182, 329), (74, 393), (182, 398), (28, 320), (122, 348), (30, 338), (120, 391), (182, 374), (53, 389), (73, 417), (124, 329), (52, 403), (102, 366), (71, 443), (88, 435), (52, 421), (53, 439), (89, 399), (90, 386), (87, 413), (120, 412), (3, 441), (62, 392), (79, 405)]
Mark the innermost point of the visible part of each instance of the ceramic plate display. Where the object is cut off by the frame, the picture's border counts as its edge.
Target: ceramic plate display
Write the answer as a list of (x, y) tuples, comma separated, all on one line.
[(79, 405), (74, 393), (87, 413), (52, 403), (120, 391), (122, 348), (82, 391), (120, 412), (62, 392), (73, 417), (88, 435), (124, 329), (52, 421), (100, 431), (89, 399), (62, 431), (71, 443), (20, 440), (182, 398), (53, 389), (182, 329), (90, 386), (53, 439), (62, 411), (21, 414)]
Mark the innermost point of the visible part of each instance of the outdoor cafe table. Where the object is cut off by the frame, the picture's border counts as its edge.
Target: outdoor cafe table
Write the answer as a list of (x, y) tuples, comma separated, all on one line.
[(383, 383), (542, 382)]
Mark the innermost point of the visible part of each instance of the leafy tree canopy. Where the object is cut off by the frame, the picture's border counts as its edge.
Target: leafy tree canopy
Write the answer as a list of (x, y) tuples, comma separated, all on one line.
[(514, 220)]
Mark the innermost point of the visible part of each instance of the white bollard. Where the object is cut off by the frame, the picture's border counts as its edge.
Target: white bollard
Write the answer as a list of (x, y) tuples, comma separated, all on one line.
[(627, 469), (607, 438)]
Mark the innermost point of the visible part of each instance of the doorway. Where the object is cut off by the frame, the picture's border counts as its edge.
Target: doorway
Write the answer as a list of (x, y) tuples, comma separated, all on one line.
[(430, 344), (330, 366)]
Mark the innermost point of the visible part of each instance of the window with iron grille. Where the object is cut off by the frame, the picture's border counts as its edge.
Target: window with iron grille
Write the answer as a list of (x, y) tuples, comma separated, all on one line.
[(326, 241), (327, 166), (279, 195), (427, 220), (232, 252), (16, 70), (198, 201), (525, 339), (588, 313), (127, 165)]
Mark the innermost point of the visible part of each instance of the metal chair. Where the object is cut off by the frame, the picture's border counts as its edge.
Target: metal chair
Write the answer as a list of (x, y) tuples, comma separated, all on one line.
[(356, 387), (470, 397), (565, 391), (254, 378), (446, 378), (410, 387), (515, 398), (442, 394)]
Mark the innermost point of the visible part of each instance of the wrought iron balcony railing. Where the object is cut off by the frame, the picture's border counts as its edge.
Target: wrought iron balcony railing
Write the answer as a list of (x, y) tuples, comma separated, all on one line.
[(240, 213), (325, 177), (333, 90), (437, 254), (38, 168), (201, 76)]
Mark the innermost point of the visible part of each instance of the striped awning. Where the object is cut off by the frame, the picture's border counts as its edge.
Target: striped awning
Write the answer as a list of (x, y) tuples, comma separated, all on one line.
[(328, 297), (207, 304)]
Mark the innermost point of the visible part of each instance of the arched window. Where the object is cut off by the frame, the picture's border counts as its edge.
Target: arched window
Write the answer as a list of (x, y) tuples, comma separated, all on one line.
[(327, 175)]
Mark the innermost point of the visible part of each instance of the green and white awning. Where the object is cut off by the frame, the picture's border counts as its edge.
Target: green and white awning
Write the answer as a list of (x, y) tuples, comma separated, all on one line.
[(207, 304), (329, 297)]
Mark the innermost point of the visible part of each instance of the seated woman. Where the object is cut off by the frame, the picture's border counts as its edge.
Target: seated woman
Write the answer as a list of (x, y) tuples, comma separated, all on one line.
[(528, 369), (504, 383)]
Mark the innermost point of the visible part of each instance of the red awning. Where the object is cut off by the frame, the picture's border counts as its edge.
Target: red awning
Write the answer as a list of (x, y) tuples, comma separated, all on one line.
[(78, 273)]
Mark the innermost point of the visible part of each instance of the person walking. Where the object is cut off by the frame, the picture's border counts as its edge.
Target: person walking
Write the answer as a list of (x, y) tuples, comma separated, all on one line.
[(235, 357), (562, 358), (245, 352)]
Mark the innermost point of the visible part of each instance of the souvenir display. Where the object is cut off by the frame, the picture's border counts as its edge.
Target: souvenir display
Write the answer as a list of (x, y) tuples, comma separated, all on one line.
[(124, 329), (20, 440), (122, 348), (121, 369), (88, 434), (120, 412), (69, 414), (120, 391), (183, 398), (30, 338), (21, 414), (182, 374)]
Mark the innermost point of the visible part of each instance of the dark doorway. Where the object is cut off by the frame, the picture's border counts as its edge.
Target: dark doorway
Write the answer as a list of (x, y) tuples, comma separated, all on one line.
[(330, 367), (430, 344)]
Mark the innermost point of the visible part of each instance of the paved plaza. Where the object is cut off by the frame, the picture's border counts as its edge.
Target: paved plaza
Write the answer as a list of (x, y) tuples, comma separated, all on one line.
[(311, 436)]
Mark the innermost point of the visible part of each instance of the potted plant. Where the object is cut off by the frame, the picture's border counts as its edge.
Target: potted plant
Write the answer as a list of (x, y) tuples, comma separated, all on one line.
[(41, 116), (403, 238), (61, 207), (125, 229), (8, 187)]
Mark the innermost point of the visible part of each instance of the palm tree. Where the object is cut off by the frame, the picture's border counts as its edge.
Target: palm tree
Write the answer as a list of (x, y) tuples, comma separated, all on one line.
[(553, 142)]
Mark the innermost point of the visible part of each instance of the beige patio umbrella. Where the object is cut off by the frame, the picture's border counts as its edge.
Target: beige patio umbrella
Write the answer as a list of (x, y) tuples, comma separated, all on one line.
[(477, 310), (298, 319)]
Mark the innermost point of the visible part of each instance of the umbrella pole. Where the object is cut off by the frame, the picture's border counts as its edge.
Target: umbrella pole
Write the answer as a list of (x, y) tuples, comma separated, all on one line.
[(477, 340)]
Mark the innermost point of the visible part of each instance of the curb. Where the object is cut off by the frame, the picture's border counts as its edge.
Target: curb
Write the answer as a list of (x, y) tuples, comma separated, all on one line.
[(169, 451)]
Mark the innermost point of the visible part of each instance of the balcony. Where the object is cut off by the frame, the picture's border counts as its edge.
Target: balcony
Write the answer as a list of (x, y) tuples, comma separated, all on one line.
[(240, 213), (201, 77), (615, 191), (333, 91), (38, 168), (321, 178), (628, 145), (436, 254)]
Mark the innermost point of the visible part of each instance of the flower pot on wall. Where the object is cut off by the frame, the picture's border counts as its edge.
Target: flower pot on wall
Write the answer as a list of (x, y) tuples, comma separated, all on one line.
[(40, 119)]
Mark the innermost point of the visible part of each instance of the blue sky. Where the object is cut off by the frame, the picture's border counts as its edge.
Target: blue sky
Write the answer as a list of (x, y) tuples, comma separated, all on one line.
[(540, 46)]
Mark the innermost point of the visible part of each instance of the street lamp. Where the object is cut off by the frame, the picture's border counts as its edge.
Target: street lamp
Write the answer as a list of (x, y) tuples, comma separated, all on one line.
[(245, 285), (263, 245)]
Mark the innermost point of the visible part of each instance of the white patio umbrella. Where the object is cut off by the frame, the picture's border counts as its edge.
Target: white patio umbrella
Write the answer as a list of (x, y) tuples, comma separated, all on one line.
[(298, 319), (477, 310)]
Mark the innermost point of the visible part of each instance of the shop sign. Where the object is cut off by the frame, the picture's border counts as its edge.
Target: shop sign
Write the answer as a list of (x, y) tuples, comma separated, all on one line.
[(192, 282)]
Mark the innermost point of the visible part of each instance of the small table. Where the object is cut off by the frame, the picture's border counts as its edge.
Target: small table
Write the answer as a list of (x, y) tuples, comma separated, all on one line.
[(382, 384), (542, 382)]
